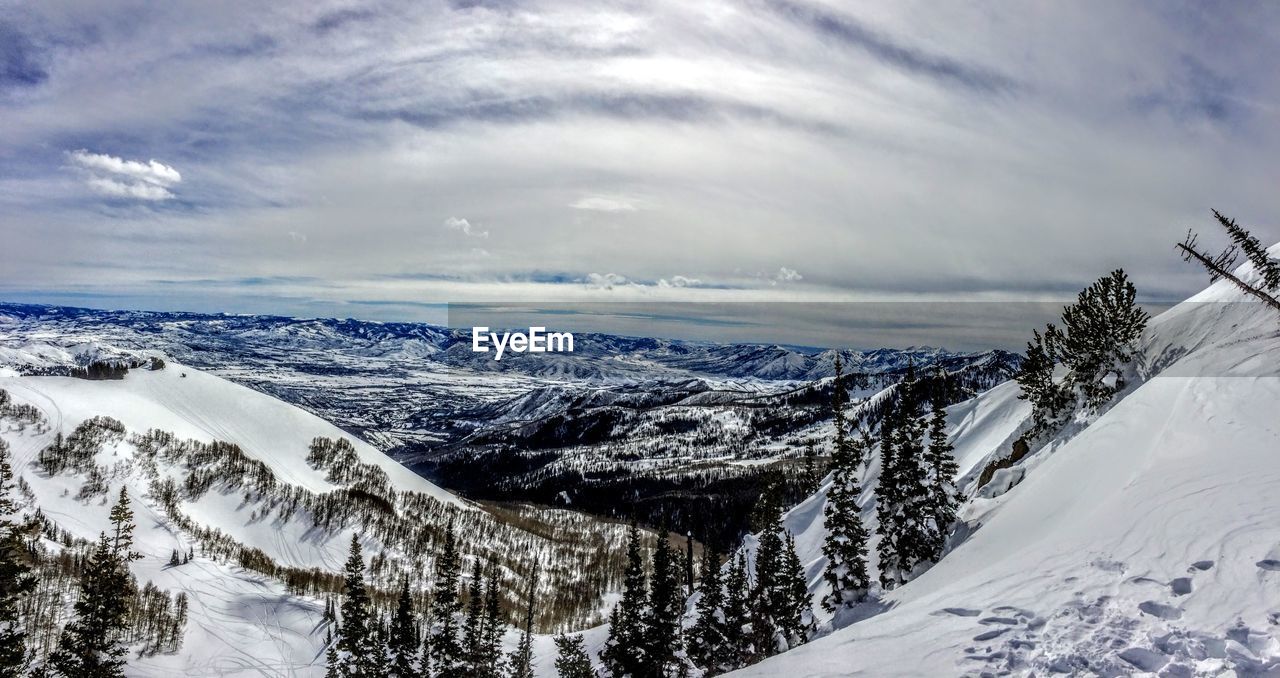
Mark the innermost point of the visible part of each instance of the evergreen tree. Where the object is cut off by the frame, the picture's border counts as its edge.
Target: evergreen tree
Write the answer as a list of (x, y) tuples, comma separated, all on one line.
[(887, 493), (796, 620), (491, 658), (737, 614), (942, 472), (445, 652), (767, 596), (1254, 251), (121, 517), (845, 545), (623, 653), (522, 657), (811, 473), (1097, 335), (902, 499), (688, 563), (359, 654), (662, 618), (92, 644), (331, 663), (1035, 380), (16, 580), (708, 644), (780, 611), (402, 642), (473, 627), (571, 659)]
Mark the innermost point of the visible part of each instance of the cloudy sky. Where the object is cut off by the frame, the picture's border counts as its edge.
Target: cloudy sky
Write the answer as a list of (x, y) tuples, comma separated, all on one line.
[(378, 159)]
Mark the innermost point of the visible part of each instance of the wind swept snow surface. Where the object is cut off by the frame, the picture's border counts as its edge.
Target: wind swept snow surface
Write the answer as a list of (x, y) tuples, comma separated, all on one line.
[(1148, 542)]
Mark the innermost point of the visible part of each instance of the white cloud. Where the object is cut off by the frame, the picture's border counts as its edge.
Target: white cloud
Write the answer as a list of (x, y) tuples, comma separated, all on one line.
[(679, 281), (119, 178), (605, 281), (151, 171), (604, 203), (297, 237), (121, 189), (788, 275), (460, 224)]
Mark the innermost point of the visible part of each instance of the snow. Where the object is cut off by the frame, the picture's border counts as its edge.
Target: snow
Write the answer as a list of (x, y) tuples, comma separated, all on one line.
[(193, 404), (1146, 540), (241, 623)]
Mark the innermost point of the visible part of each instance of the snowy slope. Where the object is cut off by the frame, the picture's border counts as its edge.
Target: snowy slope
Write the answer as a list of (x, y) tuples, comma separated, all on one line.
[(241, 623), (1149, 541)]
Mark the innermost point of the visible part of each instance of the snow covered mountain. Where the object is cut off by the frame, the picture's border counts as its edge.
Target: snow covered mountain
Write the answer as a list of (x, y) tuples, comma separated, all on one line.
[(666, 422), (266, 498), (1142, 541)]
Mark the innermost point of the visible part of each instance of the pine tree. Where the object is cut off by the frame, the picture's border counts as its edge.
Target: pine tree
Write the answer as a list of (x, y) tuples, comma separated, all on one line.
[(902, 501), (737, 614), (522, 657), (1036, 383), (331, 662), (473, 627), (359, 654), (688, 563), (121, 517), (887, 491), (845, 545), (780, 613), (796, 619), (402, 643), (707, 645), (662, 619), (492, 661), (767, 600), (623, 653), (571, 659), (16, 580), (92, 644), (1254, 251), (942, 473), (445, 652), (812, 474), (1097, 335)]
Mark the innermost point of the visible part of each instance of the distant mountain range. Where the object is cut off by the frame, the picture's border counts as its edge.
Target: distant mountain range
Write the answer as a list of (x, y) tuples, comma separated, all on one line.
[(202, 339), (662, 420)]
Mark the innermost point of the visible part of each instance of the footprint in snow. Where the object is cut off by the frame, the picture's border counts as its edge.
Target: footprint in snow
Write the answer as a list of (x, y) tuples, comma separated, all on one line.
[(1270, 564), (1160, 610), (992, 634), (1144, 659), (1201, 565), (959, 611), (1180, 586)]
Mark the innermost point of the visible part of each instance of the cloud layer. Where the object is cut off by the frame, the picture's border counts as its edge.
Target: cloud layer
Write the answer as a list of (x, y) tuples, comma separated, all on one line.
[(693, 149)]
